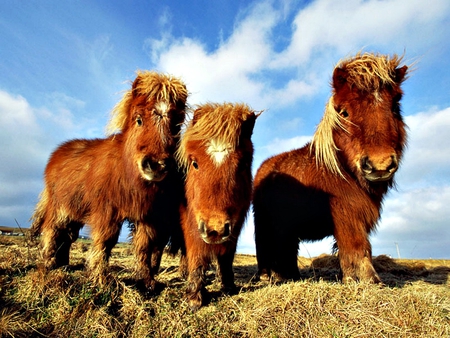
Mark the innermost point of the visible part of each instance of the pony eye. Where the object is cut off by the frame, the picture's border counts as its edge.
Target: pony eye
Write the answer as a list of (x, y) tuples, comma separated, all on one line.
[(195, 165), (343, 113), (139, 121)]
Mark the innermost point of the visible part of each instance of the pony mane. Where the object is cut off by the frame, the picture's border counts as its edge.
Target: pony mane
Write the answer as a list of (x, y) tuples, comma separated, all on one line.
[(368, 72), (323, 144), (152, 85), (213, 121)]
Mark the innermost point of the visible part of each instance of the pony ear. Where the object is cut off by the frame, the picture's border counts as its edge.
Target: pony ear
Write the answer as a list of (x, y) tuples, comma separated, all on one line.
[(135, 85), (400, 74), (197, 114), (248, 125), (339, 78)]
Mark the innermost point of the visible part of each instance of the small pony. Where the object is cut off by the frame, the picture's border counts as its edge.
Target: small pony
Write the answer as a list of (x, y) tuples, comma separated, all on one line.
[(335, 185), (216, 152), (129, 176)]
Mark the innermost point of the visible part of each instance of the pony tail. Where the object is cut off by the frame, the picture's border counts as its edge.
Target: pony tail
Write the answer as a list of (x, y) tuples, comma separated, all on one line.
[(39, 214)]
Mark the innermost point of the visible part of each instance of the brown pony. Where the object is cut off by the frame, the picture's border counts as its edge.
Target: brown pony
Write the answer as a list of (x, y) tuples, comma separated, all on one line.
[(335, 185), (217, 152), (131, 175)]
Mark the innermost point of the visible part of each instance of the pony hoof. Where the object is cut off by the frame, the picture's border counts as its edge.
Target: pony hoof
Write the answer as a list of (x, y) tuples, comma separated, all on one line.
[(230, 290), (195, 301), (263, 277), (194, 305), (149, 289)]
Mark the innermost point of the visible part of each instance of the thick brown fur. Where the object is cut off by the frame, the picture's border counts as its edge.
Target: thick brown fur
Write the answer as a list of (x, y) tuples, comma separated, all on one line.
[(216, 151), (130, 175), (335, 185)]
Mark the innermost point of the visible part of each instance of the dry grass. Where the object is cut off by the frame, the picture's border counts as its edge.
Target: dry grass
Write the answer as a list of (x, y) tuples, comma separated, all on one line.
[(415, 302)]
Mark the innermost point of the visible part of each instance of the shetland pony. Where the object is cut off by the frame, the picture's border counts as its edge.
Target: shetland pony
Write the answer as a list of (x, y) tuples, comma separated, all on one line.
[(335, 185), (216, 152), (130, 175)]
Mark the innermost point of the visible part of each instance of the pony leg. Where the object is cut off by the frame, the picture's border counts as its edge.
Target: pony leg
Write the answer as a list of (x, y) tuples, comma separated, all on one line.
[(276, 250), (195, 289), (103, 241), (144, 248), (225, 265), (284, 261), (183, 268), (53, 248), (57, 240), (197, 261), (355, 258), (262, 242)]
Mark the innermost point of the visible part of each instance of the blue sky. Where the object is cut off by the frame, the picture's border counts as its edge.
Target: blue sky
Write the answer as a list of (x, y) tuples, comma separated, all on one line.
[(63, 66)]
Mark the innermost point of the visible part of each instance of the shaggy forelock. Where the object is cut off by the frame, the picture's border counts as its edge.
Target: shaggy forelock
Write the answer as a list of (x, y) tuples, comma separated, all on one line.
[(152, 85), (370, 72), (221, 122)]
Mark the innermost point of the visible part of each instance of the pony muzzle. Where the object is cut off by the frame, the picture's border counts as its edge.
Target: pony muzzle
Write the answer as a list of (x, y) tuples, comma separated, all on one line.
[(154, 170), (378, 169), (214, 232)]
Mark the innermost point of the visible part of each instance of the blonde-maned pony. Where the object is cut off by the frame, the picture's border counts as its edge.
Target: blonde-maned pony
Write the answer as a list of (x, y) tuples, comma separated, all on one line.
[(335, 185), (129, 176), (216, 153)]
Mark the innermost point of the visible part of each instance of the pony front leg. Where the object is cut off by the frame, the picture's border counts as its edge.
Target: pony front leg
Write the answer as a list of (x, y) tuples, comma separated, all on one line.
[(195, 289), (225, 269), (355, 259), (104, 238), (144, 248)]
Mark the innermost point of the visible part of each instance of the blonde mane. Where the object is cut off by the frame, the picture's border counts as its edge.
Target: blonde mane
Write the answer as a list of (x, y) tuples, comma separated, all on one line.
[(151, 84), (221, 122), (368, 72)]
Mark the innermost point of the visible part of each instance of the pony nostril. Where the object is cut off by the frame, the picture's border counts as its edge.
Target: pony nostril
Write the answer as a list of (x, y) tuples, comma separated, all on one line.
[(147, 164), (366, 166), (151, 165), (202, 227), (212, 233), (394, 164), (226, 229)]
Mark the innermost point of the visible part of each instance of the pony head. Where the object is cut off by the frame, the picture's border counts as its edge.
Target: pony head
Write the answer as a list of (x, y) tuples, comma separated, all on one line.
[(216, 152), (362, 131), (149, 118)]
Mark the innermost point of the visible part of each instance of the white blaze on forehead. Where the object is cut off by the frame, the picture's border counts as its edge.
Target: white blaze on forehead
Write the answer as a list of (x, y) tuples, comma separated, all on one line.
[(162, 107), (218, 151)]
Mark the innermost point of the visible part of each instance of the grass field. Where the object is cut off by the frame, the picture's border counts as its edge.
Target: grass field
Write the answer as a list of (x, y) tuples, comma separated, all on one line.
[(414, 302)]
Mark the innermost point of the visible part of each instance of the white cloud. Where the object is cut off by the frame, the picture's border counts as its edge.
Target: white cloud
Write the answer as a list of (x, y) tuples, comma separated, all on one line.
[(27, 135), (233, 71), (278, 145), (427, 158), (19, 136), (244, 66), (347, 26), (417, 215), (418, 221)]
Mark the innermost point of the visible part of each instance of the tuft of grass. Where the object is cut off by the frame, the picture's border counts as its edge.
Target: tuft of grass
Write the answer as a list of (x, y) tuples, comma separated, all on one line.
[(414, 302)]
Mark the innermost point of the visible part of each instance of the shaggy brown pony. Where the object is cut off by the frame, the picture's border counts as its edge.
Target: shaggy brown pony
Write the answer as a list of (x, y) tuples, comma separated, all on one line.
[(217, 152), (131, 175), (335, 185)]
